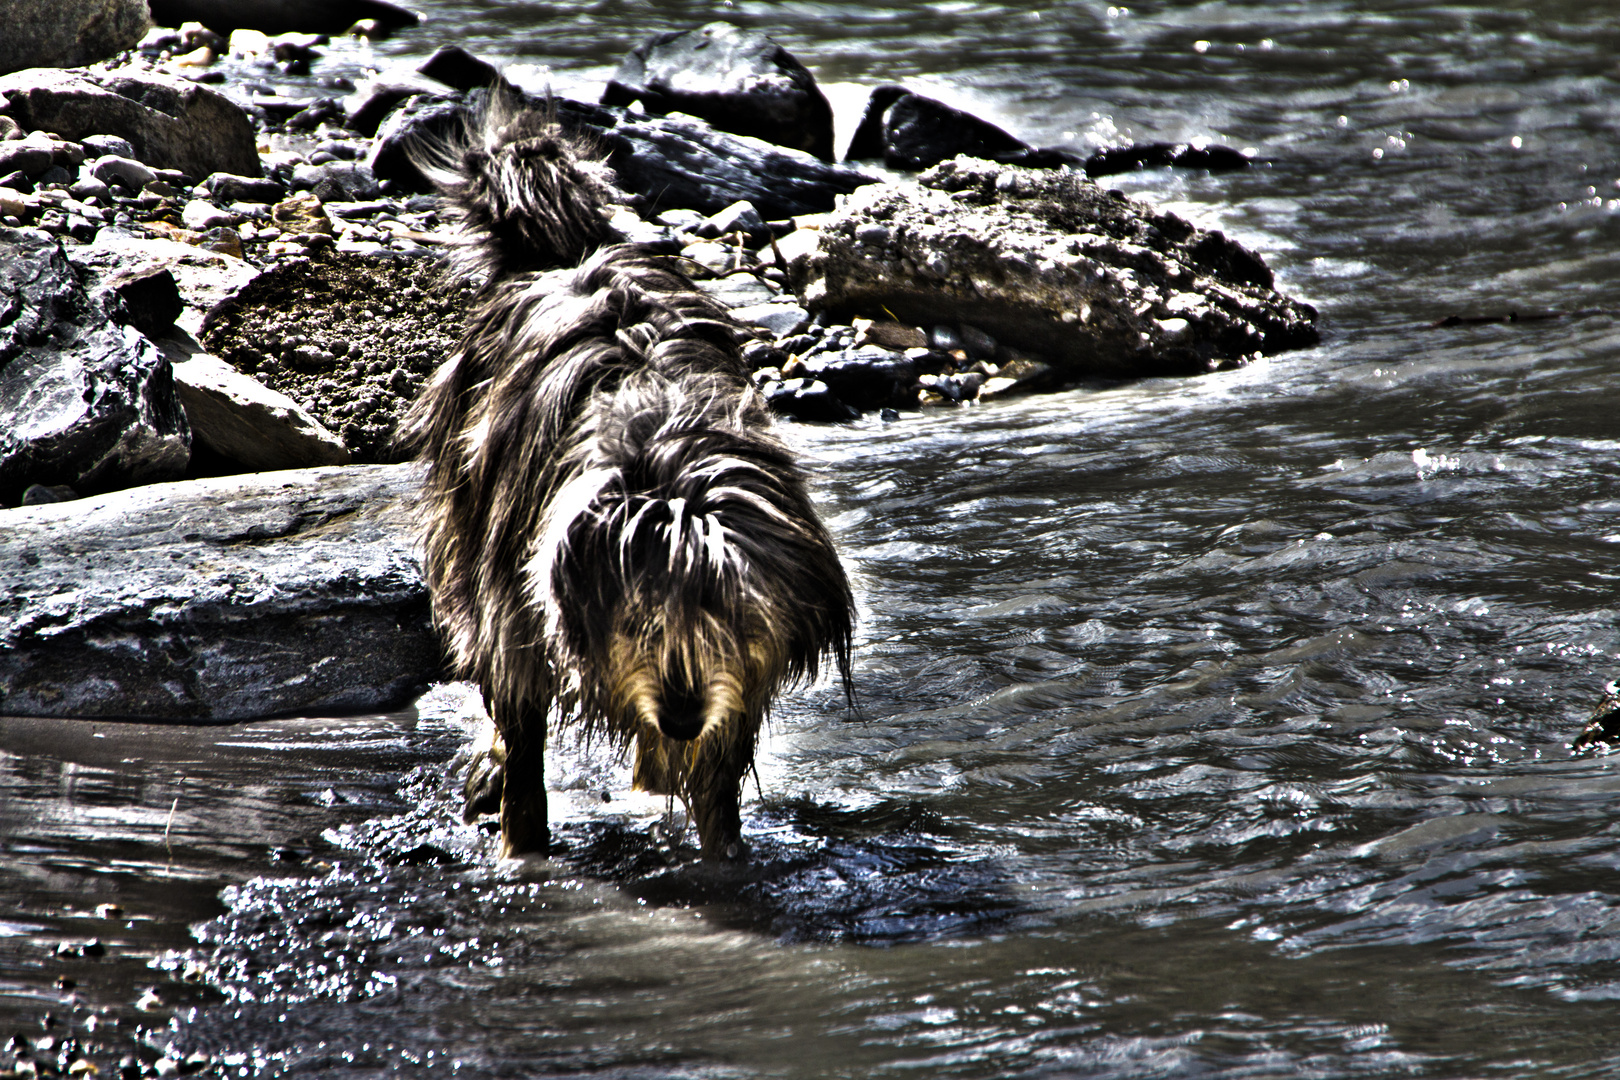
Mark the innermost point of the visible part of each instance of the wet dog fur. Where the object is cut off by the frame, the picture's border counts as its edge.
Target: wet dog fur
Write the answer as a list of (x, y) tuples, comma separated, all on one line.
[(613, 538)]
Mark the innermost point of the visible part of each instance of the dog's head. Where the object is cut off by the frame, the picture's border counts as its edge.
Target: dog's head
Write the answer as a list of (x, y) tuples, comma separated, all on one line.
[(684, 572)]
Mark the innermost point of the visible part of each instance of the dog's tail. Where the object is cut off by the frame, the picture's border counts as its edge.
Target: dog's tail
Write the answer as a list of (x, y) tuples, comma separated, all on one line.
[(529, 195)]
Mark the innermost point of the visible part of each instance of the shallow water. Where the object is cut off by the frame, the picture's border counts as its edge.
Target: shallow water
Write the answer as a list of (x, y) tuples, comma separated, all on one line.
[(1207, 727)]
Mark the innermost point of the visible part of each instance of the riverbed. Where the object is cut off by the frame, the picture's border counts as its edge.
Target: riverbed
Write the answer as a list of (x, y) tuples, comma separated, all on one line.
[(1204, 727)]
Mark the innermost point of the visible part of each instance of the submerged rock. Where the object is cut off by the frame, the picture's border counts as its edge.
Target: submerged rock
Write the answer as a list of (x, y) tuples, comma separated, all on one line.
[(1047, 262), (738, 80), (220, 599), (908, 131), (84, 402)]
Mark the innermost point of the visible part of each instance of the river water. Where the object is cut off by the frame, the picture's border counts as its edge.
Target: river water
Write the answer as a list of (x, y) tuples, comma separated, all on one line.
[(1214, 727)]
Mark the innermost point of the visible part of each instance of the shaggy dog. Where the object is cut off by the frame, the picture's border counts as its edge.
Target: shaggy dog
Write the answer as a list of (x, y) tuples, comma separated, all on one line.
[(613, 538)]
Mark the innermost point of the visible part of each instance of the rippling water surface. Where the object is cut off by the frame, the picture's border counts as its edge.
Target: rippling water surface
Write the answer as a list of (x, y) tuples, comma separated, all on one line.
[(1207, 727)]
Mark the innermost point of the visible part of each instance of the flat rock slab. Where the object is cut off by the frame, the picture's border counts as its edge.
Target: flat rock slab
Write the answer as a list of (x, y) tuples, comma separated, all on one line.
[(245, 421), (172, 123), (1049, 263), (220, 599)]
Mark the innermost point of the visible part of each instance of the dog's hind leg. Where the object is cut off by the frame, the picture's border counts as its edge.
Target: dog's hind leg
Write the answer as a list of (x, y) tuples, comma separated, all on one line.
[(713, 788), (486, 774), (524, 826), (654, 772)]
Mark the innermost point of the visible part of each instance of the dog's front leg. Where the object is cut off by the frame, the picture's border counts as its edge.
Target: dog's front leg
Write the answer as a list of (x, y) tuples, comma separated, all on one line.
[(524, 826)]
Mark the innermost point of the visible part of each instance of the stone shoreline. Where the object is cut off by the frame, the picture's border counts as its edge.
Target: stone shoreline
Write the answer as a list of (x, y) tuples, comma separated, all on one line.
[(219, 283)]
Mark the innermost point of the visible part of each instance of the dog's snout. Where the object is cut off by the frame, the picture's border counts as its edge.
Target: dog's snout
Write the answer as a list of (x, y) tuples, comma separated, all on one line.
[(680, 713)]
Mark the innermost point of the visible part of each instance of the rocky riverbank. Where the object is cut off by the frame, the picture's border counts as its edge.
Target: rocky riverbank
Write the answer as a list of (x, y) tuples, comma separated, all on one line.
[(209, 278)]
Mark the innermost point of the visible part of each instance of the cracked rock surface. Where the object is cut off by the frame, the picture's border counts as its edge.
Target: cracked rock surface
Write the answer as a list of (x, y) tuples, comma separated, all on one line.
[(219, 599)]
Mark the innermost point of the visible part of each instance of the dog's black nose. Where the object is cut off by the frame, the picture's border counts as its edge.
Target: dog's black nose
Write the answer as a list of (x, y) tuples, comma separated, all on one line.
[(680, 714)]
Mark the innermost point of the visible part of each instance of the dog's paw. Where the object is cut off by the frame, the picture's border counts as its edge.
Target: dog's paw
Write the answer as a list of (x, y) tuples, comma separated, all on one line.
[(485, 762)]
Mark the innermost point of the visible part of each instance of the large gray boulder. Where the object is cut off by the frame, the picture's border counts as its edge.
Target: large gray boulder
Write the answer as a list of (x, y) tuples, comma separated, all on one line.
[(1052, 264), (66, 33), (83, 401), (171, 123), (222, 599), (738, 80)]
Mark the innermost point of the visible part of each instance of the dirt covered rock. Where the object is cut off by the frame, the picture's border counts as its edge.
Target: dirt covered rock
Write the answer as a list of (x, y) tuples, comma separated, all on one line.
[(1049, 263), (351, 338)]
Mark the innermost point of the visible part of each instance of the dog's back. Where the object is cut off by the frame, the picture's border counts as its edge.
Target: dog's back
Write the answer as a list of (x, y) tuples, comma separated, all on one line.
[(612, 535)]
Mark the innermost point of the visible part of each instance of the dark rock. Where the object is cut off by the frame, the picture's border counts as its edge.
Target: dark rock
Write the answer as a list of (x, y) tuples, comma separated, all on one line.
[(337, 181), (977, 344), (227, 188), (1602, 730), (669, 162), (220, 599), (297, 45), (867, 377), (28, 158), (422, 121), (172, 123), (141, 293), (83, 401), (104, 145), (48, 33), (807, 399), (278, 109), (1113, 160), (673, 162), (1049, 263), (738, 217), (373, 101), (54, 175), (283, 16), (738, 80), (759, 354), (909, 131), (318, 112), (42, 494), (944, 338), (202, 278), (459, 69)]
